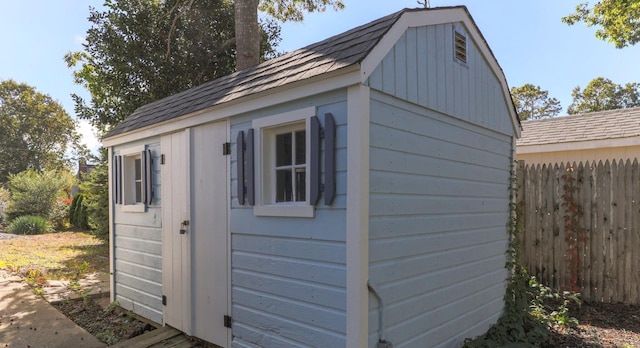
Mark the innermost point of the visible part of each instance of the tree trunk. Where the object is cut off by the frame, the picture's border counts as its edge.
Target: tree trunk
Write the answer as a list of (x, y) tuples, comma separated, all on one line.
[(247, 33)]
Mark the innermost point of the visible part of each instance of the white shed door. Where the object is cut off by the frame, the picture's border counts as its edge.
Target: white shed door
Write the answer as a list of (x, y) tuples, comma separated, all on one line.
[(197, 272)]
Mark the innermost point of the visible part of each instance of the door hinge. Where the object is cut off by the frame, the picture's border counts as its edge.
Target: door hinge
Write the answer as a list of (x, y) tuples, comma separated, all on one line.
[(164, 300), (162, 159), (226, 149), (227, 321)]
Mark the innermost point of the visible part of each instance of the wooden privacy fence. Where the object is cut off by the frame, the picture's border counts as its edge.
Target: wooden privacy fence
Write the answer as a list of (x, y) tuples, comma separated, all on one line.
[(582, 227)]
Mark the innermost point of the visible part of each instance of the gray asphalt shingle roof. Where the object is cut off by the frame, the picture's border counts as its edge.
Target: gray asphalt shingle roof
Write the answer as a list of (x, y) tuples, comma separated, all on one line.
[(331, 54), (611, 124)]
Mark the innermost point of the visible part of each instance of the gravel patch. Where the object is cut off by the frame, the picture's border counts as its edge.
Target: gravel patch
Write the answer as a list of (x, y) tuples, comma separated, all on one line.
[(5, 236)]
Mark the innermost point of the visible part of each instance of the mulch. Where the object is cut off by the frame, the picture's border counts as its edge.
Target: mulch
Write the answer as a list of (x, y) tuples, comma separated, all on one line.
[(601, 325)]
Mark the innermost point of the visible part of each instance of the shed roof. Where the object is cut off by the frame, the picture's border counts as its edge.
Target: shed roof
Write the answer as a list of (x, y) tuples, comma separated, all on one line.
[(335, 54), (331, 54), (593, 126)]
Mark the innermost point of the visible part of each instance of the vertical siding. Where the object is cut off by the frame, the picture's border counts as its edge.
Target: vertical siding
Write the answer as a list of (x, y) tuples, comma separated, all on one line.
[(289, 274), (422, 62), (138, 251), (438, 210)]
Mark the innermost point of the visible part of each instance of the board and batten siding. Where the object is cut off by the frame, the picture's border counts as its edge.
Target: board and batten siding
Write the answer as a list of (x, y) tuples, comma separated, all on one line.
[(289, 274), (439, 205), (138, 249), (421, 69)]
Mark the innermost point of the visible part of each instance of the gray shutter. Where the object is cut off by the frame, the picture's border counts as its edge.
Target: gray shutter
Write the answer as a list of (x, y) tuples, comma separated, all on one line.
[(329, 158), (314, 161), (250, 175), (117, 179), (147, 176), (240, 166)]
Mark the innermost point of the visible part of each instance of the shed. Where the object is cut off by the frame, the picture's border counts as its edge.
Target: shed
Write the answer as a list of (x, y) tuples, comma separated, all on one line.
[(595, 136), (350, 191)]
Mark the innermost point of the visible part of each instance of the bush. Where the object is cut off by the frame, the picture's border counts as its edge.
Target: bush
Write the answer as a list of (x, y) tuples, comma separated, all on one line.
[(95, 188), (33, 193), (59, 214), (4, 200), (29, 224), (78, 212)]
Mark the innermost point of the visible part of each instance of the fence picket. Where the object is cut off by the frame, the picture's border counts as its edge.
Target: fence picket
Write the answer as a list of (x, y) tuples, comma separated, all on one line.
[(585, 198), (606, 206)]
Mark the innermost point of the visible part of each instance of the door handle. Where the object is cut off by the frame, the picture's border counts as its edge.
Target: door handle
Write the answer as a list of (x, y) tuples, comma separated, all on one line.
[(183, 226)]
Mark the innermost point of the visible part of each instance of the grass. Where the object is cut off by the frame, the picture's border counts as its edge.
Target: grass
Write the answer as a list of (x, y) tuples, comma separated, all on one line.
[(52, 256)]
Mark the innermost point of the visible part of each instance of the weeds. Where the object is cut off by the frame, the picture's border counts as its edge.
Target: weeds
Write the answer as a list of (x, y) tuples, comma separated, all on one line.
[(64, 255)]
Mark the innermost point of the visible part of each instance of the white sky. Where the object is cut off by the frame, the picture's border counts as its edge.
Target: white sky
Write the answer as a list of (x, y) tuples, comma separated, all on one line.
[(530, 42)]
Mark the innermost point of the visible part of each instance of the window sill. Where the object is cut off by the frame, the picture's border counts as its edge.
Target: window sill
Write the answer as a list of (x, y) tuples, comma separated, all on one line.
[(284, 210), (133, 208)]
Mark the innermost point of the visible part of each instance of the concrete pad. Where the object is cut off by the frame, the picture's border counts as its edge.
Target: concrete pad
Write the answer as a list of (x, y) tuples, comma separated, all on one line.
[(26, 320)]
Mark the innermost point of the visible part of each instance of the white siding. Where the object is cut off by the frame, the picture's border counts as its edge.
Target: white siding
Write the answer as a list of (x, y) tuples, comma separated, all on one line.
[(138, 250), (289, 274), (421, 69), (438, 211)]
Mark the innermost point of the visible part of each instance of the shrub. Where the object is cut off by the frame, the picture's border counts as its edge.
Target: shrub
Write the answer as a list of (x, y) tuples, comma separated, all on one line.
[(33, 193), (95, 188), (29, 224), (78, 212), (59, 214), (4, 200)]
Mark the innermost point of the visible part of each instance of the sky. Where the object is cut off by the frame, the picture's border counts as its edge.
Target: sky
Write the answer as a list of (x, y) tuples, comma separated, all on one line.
[(529, 40)]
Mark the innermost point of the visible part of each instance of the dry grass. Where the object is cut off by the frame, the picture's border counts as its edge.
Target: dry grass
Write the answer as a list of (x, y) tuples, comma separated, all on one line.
[(64, 255)]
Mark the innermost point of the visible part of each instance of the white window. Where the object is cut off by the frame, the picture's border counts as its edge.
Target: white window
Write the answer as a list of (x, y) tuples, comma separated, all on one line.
[(132, 179), (282, 164)]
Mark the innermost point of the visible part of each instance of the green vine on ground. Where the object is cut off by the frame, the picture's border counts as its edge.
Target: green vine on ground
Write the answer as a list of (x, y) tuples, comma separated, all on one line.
[(526, 317)]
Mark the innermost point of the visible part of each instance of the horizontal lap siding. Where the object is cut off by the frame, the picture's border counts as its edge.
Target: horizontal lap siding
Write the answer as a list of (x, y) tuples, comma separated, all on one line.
[(138, 252), (438, 210), (289, 274)]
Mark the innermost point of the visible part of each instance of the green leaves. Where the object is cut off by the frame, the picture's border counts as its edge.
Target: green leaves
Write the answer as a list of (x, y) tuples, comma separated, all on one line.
[(139, 51), (602, 94), (617, 20), (532, 102), (293, 10), (34, 193), (37, 133), (95, 189)]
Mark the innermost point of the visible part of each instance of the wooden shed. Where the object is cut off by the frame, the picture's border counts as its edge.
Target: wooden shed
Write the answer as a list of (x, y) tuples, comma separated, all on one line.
[(594, 136), (350, 192)]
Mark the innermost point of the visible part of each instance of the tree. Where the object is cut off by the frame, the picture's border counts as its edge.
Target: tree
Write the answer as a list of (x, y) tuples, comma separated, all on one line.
[(602, 94), (246, 15), (35, 131), (617, 20), (532, 102), (140, 51)]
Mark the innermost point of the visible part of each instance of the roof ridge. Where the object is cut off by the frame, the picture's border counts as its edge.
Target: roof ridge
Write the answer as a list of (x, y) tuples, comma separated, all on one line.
[(586, 114)]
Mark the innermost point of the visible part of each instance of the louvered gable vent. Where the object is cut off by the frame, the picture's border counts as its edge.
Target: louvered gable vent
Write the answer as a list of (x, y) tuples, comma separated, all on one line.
[(460, 42)]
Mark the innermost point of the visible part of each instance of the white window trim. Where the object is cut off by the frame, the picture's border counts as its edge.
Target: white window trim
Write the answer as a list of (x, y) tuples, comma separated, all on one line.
[(136, 207), (262, 126)]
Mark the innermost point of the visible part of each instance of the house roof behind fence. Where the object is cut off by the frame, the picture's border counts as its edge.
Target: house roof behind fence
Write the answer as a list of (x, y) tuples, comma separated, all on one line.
[(602, 125)]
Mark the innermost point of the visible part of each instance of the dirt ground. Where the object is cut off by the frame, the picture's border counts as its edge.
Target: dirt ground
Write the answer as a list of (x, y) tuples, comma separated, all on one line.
[(601, 325), (110, 325)]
